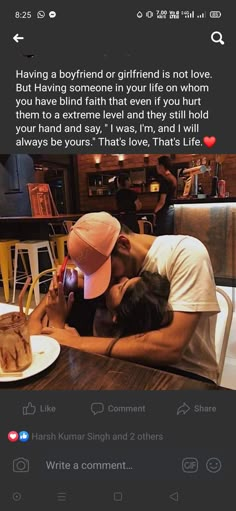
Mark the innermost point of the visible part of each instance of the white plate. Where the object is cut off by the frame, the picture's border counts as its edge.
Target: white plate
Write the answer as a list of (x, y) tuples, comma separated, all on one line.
[(45, 351)]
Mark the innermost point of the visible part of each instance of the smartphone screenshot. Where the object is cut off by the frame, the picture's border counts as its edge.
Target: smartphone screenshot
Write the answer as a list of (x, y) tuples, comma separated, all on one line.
[(117, 269)]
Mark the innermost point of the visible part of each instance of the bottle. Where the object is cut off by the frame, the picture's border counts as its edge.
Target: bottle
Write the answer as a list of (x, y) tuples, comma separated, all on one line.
[(214, 187), (195, 186), (221, 188), (221, 182)]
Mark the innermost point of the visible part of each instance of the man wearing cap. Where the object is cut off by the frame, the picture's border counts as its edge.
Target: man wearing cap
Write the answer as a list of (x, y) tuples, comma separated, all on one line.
[(105, 251), (90, 244)]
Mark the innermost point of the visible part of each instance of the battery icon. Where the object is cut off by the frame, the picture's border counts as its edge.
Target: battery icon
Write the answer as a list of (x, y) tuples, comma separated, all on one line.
[(215, 14)]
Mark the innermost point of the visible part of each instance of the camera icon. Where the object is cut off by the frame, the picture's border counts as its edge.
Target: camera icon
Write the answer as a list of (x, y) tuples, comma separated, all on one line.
[(21, 465)]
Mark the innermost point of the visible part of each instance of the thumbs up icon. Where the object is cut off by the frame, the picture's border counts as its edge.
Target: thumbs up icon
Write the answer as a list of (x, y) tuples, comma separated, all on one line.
[(29, 409)]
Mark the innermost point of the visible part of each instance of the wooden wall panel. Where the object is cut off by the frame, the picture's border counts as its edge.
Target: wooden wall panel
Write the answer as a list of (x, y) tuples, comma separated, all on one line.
[(215, 226)]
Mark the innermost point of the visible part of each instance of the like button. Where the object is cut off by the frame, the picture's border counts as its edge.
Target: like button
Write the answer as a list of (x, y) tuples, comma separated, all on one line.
[(24, 436)]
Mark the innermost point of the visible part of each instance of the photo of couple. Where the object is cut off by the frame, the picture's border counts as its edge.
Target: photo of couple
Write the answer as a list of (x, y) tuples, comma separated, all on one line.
[(134, 292)]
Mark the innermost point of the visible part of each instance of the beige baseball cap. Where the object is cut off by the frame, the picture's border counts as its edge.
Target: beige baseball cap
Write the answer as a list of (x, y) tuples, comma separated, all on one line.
[(90, 243)]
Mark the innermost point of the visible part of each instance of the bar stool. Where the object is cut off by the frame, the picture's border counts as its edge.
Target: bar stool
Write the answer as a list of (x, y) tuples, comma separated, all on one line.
[(33, 249), (60, 241), (6, 247)]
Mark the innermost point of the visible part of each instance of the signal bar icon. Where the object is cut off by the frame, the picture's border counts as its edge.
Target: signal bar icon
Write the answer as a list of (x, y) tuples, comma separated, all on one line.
[(202, 15), (188, 14)]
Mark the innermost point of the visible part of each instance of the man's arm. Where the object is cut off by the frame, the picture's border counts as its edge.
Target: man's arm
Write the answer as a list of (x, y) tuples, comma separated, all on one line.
[(164, 346), (138, 204), (160, 203)]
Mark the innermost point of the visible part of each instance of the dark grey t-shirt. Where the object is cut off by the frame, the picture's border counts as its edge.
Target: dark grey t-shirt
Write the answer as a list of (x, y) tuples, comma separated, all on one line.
[(125, 200)]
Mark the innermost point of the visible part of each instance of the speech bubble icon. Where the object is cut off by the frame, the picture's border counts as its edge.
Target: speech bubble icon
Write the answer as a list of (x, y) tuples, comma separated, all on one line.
[(97, 408)]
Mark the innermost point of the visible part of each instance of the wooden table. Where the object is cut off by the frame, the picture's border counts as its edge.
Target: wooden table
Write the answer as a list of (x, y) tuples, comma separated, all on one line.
[(76, 370)]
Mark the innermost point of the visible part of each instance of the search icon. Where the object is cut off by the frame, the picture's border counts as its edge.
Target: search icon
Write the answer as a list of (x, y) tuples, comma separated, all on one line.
[(217, 37)]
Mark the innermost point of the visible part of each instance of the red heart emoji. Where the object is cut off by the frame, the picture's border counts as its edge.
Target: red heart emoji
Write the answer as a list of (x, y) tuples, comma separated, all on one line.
[(209, 141), (13, 436)]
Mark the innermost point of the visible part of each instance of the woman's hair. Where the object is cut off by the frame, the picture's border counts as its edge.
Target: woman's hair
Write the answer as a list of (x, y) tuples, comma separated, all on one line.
[(144, 306)]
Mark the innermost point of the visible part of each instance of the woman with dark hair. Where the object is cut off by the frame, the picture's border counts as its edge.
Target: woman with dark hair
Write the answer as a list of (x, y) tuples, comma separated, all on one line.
[(131, 306), (134, 306), (164, 210), (144, 306)]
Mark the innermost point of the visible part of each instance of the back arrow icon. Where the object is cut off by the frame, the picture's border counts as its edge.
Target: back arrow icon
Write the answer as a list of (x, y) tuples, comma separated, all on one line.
[(174, 496), (17, 38)]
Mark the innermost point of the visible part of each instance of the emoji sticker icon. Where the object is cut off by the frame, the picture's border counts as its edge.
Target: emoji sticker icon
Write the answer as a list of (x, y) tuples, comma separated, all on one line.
[(213, 465)]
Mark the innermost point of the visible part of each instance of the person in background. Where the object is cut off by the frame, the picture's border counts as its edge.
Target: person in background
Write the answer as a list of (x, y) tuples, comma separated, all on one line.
[(164, 210), (128, 203)]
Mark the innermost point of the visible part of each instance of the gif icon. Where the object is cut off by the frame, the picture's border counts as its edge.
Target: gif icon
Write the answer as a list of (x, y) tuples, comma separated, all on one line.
[(21, 465), (190, 465)]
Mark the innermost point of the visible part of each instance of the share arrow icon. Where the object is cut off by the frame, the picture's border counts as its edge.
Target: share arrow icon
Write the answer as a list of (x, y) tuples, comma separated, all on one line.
[(17, 38)]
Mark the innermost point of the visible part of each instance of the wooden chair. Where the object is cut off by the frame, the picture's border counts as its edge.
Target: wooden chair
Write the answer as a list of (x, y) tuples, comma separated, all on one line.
[(34, 284), (145, 227), (223, 325)]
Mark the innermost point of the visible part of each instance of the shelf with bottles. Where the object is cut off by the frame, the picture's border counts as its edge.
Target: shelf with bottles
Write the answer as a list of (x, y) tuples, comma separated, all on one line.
[(101, 191), (106, 182), (101, 184)]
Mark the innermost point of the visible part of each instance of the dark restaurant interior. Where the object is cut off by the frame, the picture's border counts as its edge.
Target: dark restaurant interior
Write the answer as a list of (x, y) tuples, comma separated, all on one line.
[(43, 196)]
